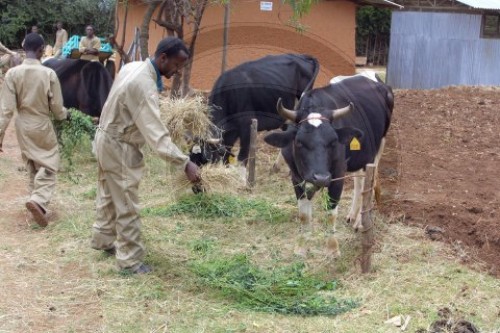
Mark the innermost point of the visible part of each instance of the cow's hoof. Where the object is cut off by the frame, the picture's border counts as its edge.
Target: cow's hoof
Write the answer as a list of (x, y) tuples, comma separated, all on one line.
[(300, 252), (198, 188), (332, 247), (358, 226)]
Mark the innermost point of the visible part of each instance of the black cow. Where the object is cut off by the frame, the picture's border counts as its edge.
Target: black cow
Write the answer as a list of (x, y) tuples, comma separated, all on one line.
[(252, 89), (85, 84), (337, 128)]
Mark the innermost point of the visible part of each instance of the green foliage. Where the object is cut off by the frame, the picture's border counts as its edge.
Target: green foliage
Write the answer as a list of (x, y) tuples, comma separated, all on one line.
[(371, 21), (299, 8), (73, 133), (373, 28), (286, 290), (209, 206), (17, 17)]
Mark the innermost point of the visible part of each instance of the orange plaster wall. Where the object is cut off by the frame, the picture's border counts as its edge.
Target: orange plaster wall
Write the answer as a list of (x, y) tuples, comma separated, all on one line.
[(253, 34)]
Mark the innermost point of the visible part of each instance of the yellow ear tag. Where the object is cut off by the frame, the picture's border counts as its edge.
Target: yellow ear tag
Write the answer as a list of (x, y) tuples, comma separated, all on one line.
[(355, 144), (231, 159)]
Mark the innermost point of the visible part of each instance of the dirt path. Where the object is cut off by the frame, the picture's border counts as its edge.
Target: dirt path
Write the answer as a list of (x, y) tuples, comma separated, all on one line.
[(441, 170), (41, 291)]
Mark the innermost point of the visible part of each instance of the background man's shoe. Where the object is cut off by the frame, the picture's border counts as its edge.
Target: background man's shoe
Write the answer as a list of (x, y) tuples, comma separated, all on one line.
[(140, 269), (38, 214), (111, 251)]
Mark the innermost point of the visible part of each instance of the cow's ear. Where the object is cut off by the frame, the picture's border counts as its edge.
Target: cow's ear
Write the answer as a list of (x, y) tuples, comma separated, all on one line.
[(346, 134), (280, 139)]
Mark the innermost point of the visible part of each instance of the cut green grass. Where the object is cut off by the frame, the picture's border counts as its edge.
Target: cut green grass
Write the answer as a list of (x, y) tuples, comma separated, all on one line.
[(212, 206), (287, 290)]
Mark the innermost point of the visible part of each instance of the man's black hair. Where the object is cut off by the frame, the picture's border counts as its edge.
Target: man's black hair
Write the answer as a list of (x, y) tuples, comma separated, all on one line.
[(171, 46), (33, 42)]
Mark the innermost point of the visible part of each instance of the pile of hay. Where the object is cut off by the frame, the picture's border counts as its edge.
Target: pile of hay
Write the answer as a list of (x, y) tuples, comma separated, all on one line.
[(187, 116), (215, 178)]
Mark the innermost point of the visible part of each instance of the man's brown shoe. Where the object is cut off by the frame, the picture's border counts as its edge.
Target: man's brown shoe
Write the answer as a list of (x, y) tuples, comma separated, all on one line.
[(37, 213)]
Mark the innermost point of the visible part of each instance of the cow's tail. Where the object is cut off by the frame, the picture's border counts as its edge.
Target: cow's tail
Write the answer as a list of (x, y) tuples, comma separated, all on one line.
[(315, 74)]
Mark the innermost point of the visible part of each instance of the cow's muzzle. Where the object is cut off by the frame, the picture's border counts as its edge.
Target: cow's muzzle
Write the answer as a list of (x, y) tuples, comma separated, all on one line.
[(321, 180)]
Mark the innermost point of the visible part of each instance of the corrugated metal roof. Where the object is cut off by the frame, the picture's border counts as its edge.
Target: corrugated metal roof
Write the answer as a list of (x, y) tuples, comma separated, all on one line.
[(383, 3), (482, 4)]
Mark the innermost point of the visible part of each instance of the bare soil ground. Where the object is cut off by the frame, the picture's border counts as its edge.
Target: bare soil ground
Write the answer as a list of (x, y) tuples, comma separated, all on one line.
[(441, 168)]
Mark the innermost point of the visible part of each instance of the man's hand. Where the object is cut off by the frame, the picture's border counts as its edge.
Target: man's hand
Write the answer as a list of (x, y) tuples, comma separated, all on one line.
[(192, 172)]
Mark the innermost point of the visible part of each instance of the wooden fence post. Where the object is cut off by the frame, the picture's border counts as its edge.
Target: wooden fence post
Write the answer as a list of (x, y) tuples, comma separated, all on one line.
[(368, 233), (251, 155)]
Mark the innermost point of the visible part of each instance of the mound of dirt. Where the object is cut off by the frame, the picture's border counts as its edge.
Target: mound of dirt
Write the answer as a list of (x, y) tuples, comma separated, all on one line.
[(441, 167)]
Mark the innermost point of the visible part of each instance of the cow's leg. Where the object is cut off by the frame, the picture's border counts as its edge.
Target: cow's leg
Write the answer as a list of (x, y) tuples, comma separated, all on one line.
[(305, 217), (229, 138), (376, 186), (334, 193), (244, 151), (354, 215), (244, 133)]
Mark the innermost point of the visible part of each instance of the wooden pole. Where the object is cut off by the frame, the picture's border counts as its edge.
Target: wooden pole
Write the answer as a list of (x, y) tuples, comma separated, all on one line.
[(225, 36), (368, 233), (251, 154)]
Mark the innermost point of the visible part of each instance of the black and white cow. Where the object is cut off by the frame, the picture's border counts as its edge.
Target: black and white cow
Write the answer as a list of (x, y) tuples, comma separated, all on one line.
[(336, 129), (251, 90)]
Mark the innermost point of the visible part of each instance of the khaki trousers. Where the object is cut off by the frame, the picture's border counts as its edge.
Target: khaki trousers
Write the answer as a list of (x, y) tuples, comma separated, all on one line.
[(42, 183), (117, 222)]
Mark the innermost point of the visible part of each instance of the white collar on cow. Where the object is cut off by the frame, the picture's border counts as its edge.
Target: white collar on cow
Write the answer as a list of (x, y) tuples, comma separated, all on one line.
[(315, 119)]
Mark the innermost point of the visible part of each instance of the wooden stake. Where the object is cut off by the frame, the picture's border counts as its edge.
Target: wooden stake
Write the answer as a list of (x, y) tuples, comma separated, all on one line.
[(368, 233), (251, 154)]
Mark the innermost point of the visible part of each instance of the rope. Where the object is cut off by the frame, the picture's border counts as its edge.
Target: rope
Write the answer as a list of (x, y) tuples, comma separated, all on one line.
[(345, 177)]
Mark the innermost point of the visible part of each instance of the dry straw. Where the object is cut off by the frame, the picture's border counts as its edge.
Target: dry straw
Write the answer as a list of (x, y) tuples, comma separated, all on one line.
[(187, 116), (215, 178)]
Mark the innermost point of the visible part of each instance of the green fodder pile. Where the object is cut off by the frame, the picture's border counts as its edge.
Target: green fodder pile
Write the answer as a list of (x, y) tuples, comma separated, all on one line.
[(285, 290), (187, 116), (228, 207)]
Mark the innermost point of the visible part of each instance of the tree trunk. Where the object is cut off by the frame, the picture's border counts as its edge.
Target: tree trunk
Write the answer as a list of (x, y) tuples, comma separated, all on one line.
[(225, 38), (186, 72), (125, 23), (144, 37), (367, 47), (177, 83)]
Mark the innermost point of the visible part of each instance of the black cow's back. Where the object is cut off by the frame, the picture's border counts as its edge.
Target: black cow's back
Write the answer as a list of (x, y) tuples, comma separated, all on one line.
[(373, 103), (252, 89), (85, 85)]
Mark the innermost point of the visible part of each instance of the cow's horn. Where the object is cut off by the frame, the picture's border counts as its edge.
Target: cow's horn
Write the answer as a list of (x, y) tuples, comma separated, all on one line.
[(339, 113), (284, 112), (213, 141)]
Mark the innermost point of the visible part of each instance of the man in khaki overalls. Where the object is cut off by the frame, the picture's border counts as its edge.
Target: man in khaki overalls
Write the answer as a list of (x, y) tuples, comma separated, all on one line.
[(34, 91), (61, 40), (90, 45), (130, 118)]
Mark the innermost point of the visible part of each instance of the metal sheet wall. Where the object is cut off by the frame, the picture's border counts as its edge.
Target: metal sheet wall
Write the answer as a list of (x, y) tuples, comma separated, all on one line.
[(431, 50)]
